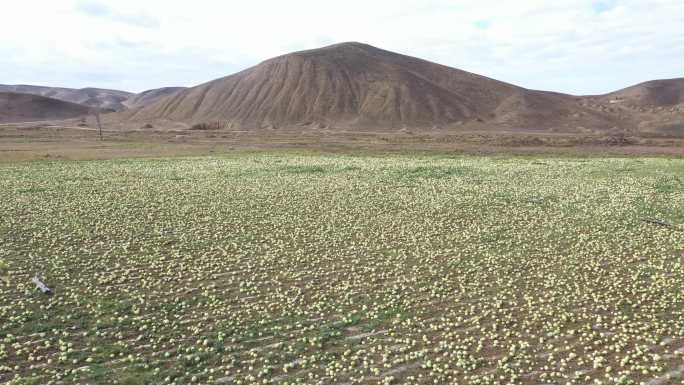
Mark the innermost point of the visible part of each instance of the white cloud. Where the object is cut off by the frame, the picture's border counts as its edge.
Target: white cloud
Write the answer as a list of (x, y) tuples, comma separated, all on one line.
[(578, 46)]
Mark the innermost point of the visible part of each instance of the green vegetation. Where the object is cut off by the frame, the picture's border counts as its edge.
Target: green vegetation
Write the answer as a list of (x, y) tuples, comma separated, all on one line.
[(340, 270)]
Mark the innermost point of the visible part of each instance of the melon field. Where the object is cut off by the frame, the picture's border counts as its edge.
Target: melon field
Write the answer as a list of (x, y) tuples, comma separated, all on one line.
[(330, 269)]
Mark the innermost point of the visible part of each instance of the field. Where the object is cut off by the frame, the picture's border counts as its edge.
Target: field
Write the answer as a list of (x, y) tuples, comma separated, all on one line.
[(59, 141), (333, 269)]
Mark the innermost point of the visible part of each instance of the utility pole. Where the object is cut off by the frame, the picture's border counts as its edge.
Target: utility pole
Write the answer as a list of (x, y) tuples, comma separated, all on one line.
[(96, 112), (99, 123)]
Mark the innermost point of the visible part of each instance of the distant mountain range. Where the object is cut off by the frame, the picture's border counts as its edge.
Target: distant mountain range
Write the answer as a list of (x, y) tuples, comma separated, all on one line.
[(105, 100), (355, 85), (16, 107), (111, 100)]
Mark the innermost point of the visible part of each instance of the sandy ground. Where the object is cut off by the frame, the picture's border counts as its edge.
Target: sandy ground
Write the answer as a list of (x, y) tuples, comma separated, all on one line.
[(44, 141)]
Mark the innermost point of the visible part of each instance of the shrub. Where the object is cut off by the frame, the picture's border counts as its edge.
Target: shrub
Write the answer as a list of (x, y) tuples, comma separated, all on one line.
[(216, 125), (619, 139)]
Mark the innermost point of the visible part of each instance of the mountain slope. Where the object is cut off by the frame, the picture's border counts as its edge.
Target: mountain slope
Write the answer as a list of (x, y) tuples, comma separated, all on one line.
[(652, 108), (93, 97), (655, 93), (146, 97), (18, 107), (357, 85)]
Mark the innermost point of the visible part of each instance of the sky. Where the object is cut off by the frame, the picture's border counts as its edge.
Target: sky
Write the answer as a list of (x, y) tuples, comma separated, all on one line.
[(572, 46)]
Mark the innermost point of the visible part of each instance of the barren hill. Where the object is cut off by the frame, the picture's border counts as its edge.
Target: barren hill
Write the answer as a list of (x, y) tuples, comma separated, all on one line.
[(93, 97), (651, 108), (18, 107), (357, 85), (146, 97), (655, 93)]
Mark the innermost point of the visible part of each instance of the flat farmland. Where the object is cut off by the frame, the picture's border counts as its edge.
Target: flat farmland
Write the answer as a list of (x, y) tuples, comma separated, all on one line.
[(331, 269)]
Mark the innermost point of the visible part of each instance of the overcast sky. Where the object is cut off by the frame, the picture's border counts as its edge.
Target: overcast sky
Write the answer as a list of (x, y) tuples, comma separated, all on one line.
[(574, 46)]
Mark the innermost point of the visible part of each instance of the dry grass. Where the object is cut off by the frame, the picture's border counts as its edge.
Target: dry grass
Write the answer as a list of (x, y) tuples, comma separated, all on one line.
[(41, 142)]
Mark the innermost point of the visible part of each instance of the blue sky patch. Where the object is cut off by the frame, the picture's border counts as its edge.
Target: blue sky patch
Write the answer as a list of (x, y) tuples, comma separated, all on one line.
[(483, 24), (602, 6)]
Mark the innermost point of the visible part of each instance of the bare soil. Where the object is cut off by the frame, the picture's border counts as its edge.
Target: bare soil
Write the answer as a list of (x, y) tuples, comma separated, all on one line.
[(51, 141)]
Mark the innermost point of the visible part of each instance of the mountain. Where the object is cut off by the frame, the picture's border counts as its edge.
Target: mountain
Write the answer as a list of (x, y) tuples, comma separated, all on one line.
[(18, 107), (146, 97), (651, 108), (93, 97), (357, 85), (111, 100), (655, 93)]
